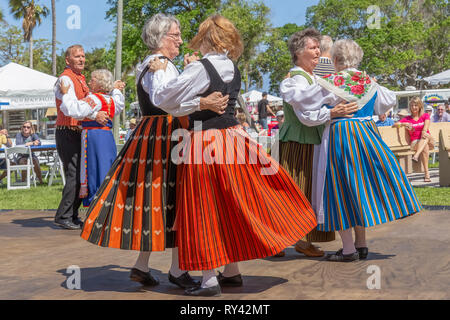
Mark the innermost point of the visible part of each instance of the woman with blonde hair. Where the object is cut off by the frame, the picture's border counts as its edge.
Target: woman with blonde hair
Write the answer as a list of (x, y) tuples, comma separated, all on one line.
[(233, 210), (417, 125), (29, 138)]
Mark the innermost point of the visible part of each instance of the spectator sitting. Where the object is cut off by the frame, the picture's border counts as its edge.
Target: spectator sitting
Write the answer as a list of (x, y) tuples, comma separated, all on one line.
[(27, 137), (441, 115), (243, 121), (429, 110), (384, 121), (402, 114), (4, 140), (421, 141), (447, 107), (132, 127)]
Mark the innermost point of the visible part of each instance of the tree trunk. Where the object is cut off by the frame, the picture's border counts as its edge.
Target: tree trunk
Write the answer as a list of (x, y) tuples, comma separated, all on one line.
[(53, 37), (118, 70), (31, 52)]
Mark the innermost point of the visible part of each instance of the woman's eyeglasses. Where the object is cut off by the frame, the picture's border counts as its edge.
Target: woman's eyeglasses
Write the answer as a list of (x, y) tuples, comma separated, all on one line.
[(25, 127), (174, 35)]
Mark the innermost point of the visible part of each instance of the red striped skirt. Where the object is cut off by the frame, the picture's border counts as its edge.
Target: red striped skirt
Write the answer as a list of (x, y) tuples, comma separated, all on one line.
[(134, 209), (235, 203)]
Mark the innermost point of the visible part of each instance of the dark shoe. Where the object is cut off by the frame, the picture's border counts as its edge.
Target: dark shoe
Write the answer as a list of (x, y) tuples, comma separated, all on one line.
[(363, 252), (340, 257), (66, 224), (235, 281), (144, 278), (204, 292), (185, 281), (78, 222)]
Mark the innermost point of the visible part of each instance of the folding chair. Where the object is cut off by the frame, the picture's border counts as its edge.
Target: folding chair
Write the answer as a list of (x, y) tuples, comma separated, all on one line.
[(10, 166), (57, 166)]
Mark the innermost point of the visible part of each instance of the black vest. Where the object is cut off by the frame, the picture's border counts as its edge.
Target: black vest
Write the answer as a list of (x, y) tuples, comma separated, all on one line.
[(210, 119), (147, 107)]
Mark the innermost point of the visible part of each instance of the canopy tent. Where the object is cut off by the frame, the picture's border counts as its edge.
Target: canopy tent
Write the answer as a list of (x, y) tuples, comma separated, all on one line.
[(255, 96), (440, 78), (22, 88)]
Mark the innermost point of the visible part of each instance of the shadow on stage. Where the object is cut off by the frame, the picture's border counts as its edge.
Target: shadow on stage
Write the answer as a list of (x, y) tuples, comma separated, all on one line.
[(39, 222), (116, 278), (291, 254)]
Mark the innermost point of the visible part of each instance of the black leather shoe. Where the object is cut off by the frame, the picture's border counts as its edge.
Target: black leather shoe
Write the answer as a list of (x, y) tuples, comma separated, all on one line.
[(78, 222), (204, 292), (235, 281), (185, 281), (144, 278), (340, 257), (66, 224), (363, 252)]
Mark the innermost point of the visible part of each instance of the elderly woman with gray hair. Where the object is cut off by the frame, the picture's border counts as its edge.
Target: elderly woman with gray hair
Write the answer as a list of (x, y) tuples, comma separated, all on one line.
[(359, 181), (135, 206), (98, 148)]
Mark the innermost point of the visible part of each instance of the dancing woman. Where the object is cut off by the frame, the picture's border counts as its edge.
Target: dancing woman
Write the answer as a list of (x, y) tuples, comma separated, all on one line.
[(134, 208), (360, 183), (227, 211)]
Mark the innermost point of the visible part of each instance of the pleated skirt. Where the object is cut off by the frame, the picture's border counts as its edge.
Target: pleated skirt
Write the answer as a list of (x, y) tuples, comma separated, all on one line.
[(235, 202), (364, 184), (297, 159), (134, 209)]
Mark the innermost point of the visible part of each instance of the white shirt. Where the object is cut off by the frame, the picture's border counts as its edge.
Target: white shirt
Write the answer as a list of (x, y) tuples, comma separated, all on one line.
[(179, 96), (308, 100), (90, 105), (57, 91)]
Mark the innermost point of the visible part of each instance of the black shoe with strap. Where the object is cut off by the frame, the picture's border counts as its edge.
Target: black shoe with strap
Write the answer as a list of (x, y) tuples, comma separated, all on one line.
[(339, 256), (185, 281), (145, 278), (363, 252), (235, 281), (204, 292)]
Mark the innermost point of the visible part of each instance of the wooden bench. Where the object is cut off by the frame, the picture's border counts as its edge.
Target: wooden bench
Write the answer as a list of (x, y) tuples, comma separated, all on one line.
[(398, 141), (444, 157)]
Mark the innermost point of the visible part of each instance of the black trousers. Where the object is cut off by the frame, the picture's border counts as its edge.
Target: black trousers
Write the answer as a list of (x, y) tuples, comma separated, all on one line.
[(68, 144)]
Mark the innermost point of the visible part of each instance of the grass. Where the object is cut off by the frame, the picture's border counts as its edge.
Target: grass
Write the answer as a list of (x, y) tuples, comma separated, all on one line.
[(48, 198)]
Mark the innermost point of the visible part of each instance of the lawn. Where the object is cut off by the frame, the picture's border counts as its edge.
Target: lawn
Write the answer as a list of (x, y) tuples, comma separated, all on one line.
[(46, 198)]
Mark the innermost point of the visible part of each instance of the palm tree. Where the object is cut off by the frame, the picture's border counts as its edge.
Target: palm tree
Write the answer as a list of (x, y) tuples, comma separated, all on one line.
[(32, 14), (1, 15), (53, 38)]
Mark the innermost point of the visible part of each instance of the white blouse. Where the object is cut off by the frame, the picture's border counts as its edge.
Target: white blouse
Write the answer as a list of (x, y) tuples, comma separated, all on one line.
[(308, 100), (90, 105), (175, 95)]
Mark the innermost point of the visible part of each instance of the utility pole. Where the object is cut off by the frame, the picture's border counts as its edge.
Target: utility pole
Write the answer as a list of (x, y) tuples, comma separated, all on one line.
[(118, 70)]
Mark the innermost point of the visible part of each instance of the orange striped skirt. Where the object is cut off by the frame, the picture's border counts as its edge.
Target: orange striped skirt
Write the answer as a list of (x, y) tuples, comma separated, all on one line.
[(134, 209), (235, 203)]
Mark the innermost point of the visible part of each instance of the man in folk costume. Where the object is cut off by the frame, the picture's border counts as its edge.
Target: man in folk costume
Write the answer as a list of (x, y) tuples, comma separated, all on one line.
[(98, 147), (297, 141), (68, 138)]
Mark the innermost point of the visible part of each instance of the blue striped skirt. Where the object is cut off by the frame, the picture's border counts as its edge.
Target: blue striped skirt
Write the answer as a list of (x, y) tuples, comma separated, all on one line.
[(364, 183)]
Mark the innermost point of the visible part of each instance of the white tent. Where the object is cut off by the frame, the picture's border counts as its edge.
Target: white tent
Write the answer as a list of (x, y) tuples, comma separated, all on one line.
[(254, 96), (22, 88), (440, 78)]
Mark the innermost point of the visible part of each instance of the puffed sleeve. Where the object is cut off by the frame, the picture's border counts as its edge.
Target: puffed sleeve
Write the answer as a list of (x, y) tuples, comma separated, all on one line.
[(179, 96), (81, 109), (119, 100), (66, 81), (308, 100), (386, 99)]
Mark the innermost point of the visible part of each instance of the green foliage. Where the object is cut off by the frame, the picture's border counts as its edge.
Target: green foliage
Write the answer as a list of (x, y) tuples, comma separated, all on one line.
[(412, 41)]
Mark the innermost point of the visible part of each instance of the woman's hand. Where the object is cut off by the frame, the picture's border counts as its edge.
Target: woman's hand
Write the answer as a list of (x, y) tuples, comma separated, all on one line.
[(215, 102), (118, 84), (408, 126), (344, 110), (425, 135), (190, 58), (63, 87), (157, 64)]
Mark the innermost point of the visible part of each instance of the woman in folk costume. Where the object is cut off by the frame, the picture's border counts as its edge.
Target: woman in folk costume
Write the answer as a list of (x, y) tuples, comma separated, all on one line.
[(297, 141), (98, 148), (359, 181), (134, 208), (229, 209)]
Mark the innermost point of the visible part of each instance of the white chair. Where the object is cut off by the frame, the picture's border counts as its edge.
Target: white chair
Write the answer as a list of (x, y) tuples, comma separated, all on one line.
[(11, 166), (57, 166)]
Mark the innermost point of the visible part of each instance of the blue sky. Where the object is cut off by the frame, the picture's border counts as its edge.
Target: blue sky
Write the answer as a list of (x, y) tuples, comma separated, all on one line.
[(96, 31)]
